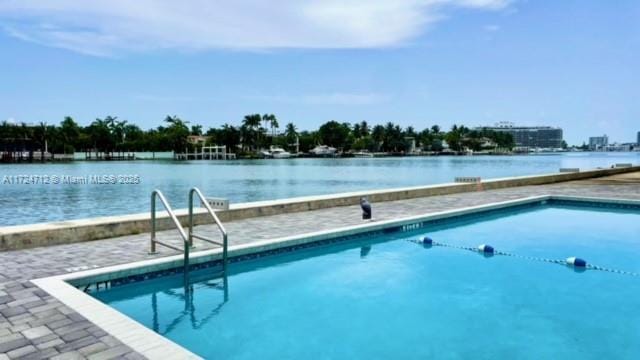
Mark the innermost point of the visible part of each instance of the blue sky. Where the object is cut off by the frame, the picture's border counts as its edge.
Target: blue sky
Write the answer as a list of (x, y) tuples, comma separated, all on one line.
[(568, 63)]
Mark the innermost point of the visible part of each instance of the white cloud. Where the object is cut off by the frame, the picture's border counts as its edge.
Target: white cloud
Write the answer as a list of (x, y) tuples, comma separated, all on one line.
[(103, 28), (336, 98), (491, 28)]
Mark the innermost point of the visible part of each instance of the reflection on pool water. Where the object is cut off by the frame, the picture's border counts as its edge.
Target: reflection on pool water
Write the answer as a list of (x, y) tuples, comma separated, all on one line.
[(385, 297)]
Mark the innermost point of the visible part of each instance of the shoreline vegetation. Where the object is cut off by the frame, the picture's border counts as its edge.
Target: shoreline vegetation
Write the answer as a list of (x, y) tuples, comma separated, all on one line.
[(114, 139)]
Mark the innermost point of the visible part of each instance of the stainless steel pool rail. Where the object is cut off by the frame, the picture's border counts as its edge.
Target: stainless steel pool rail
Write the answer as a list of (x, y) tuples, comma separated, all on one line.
[(185, 239), (216, 220)]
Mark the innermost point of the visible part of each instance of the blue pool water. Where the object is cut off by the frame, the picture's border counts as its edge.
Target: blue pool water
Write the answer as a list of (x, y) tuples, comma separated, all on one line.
[(382, 296)]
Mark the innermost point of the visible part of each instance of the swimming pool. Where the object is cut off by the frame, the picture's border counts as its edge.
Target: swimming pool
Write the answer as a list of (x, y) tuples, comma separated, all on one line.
[(383, 295)]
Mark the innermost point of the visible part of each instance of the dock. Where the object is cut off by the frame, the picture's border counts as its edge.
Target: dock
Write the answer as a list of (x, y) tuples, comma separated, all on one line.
[(206, 153), (35, 156), (109, 156)]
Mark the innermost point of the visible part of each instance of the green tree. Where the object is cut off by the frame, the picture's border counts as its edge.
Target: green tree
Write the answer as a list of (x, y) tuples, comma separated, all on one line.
[(118, 132), (393, 138), (69, 134), (364, 128), (425, 138), (177, 133), (335, 134), (410, 131), (378, 135), (229, 136), (100, 136), (41, 137), (196, 130), (250, 131), (291, 135), (308, 140), (455, 137), (135, 138), (271, 121)]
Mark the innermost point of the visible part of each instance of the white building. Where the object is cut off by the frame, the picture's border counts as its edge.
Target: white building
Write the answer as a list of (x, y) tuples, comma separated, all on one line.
[(598, 142)]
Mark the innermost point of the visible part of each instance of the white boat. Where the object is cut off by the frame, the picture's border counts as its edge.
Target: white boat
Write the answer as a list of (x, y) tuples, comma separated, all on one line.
[(363, 154), (279, 153), (323, 150), (275, 152)]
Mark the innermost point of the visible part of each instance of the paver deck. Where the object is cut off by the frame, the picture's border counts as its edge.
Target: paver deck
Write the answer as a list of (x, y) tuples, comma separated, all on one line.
[(34, 325)]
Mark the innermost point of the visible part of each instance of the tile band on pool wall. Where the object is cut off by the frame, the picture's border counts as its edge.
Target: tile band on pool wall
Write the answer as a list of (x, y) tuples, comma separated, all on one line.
[(453, 220)]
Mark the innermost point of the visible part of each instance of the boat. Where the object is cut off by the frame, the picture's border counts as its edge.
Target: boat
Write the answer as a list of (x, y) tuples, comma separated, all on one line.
[(275, 152), (362, 154), (323, 150), (279, 153)]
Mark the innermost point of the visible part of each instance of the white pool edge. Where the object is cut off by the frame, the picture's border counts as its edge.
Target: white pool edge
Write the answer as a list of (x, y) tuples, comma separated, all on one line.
[(154, 346)]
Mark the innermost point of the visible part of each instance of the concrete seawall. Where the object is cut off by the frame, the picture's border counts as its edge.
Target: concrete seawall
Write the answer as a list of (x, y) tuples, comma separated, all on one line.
[(45, 234)]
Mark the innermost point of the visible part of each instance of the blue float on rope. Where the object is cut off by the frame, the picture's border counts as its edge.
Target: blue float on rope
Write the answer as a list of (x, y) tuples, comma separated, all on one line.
[(426, 240), (486, 249), (576, 262)]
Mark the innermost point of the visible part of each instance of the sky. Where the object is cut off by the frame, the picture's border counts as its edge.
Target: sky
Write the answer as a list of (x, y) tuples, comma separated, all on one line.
[(571, 63)]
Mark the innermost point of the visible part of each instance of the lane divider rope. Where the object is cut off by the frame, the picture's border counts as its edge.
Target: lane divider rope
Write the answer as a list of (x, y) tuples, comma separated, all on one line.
[(574, 262)]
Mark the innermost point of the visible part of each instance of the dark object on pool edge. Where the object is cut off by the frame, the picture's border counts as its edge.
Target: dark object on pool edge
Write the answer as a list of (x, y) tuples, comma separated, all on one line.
[(485, 249), (366, 209), (576, 262)]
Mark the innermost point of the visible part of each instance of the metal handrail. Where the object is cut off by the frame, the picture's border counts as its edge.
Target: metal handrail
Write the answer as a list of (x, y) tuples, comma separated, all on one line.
[(172, 215), (224, 244)]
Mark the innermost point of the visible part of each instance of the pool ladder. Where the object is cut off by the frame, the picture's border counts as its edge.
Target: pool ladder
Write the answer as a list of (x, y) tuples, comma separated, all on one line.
[(187, 238)]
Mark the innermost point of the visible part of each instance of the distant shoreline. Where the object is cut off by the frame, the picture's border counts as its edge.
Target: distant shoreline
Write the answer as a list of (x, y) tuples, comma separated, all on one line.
[(165, 156)]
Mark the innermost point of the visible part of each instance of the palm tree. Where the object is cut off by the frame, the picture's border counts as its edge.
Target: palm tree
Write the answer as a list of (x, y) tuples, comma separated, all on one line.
[(175, 120), (250, 127), (410, 131), (178, 132), (290, 130), (40, 135), (291, 134), (229, 136), (273, 122), (69, 134), (455, 136), (110, 121), (118, 130), (252, 121), (378, 135), (266, 120), (100, 135), (364, 128), (357, 133), (196, 130)]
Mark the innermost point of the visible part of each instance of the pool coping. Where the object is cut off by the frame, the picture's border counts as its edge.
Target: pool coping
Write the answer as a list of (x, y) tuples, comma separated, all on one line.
[(155, 346)]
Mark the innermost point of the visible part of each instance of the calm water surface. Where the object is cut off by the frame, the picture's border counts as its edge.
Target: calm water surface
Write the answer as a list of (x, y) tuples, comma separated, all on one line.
[(384, 297), (243, 180)]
